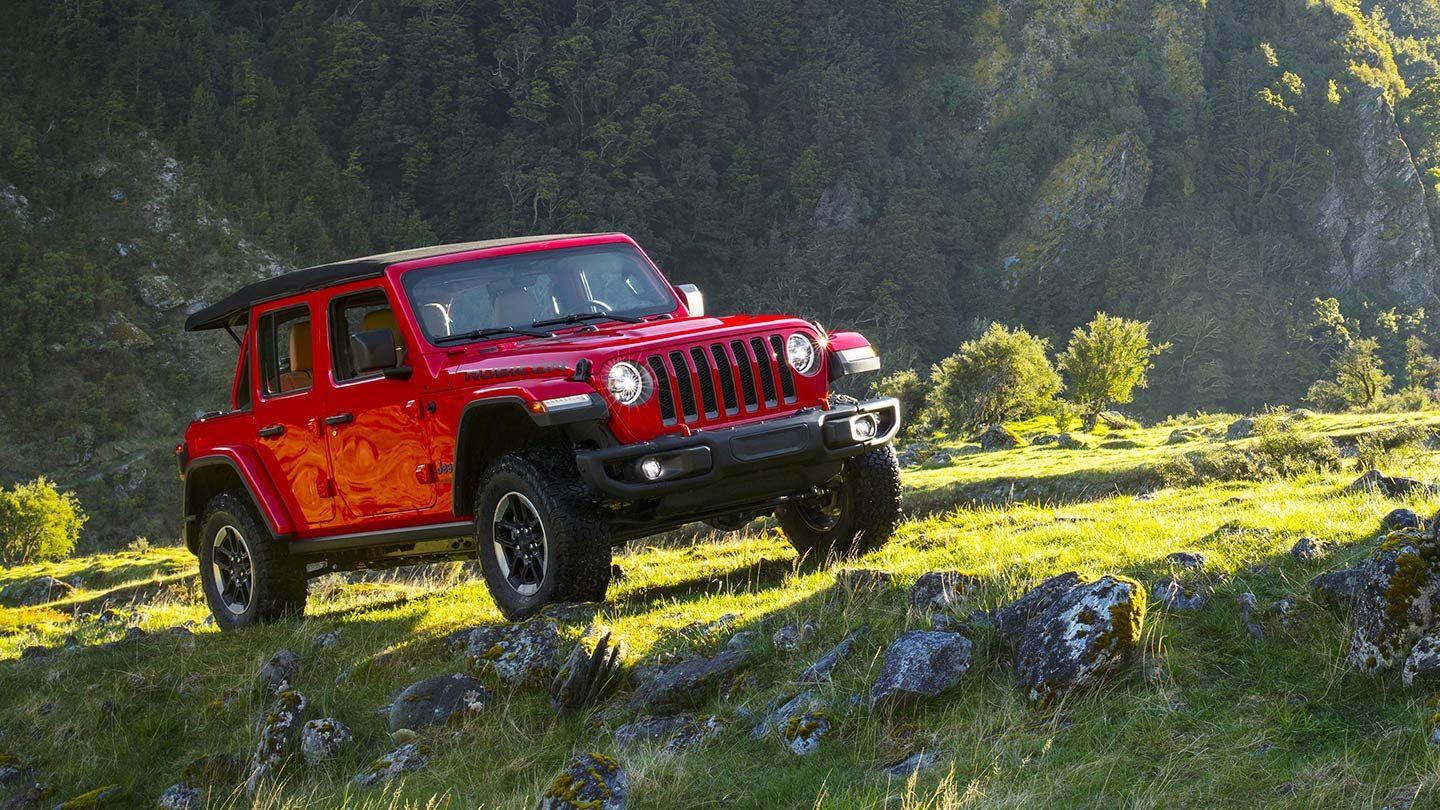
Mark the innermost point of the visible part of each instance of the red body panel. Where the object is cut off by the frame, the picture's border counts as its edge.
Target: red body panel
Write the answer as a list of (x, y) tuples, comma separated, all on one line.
[(389, 464)]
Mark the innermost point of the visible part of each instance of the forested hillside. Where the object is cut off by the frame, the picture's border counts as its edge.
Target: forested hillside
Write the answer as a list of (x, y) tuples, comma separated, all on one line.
[(915, 169)]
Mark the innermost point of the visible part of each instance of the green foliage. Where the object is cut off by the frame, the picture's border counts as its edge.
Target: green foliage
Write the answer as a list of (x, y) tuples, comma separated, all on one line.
[(1282, 448), (907, 387), (1359, 378), (1002, 376), (1106, 361), (38, 522), (1381, 449)]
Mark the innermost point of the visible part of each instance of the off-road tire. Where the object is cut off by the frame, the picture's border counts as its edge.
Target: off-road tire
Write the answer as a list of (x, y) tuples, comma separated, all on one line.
[(577, 540), (278, 586), (869, 493)]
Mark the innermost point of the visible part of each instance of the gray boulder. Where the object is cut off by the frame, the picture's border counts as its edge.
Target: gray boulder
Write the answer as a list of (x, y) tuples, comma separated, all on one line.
[(678, 733), (1423, 663), (1066, 441), (325, 640), (1399, 519), (1078, 635), (34, 592), (1242, 428), (940, 589), (591, 670), (1387, 485), (998, 437), (438, 701), (822, 669), (589, 781), (181, 796), (688, 684), (278, 737), (1012, 620), (1394, 604), (279, 671), (1173, 595), (1337, 588), (518, 653), (791, 636), (405, 759), (920, 664), (322, 740), (1310, 549)]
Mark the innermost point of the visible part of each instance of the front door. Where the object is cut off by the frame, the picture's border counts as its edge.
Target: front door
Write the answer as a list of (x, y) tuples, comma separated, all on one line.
[(287, 413), (374, 424)]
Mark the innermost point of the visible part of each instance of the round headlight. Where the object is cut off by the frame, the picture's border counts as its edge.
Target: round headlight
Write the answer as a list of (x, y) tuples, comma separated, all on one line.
[(628, 383), (801, 354)]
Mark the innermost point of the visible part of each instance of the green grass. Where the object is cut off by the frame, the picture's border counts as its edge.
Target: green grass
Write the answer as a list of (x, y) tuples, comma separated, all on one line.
[(1208, 717)]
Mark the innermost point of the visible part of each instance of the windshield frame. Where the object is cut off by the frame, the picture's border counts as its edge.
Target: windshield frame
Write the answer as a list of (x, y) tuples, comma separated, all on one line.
[(406, 276)]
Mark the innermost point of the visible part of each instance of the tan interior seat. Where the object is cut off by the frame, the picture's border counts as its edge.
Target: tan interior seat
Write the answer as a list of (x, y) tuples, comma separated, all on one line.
[(515, 307), (301, 360), (385, 319)]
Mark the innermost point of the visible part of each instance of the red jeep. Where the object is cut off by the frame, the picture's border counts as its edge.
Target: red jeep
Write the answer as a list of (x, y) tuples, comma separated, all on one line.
[(534, 401)]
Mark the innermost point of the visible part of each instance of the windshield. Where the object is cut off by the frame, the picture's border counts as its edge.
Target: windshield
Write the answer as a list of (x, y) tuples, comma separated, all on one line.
[(518, 290)]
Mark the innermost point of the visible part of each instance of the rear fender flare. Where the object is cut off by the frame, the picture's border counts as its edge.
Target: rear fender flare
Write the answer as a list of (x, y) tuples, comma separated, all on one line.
[(219, 471)]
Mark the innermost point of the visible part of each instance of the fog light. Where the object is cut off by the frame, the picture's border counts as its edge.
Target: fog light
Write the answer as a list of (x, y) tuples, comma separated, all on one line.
[(651, 468), (863, 428)]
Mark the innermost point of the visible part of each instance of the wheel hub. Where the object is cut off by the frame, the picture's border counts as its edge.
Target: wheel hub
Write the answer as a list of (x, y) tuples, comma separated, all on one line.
[(520, 545), (233, 570)]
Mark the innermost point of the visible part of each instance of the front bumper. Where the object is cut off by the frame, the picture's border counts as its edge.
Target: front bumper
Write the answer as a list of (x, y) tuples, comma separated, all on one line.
[(712, 457)]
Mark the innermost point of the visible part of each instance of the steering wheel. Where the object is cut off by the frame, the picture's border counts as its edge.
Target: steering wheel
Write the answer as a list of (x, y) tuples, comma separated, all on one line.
[(600, 306)]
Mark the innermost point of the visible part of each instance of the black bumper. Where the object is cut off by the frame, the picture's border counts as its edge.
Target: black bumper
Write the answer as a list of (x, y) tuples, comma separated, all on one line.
[(708, 458)]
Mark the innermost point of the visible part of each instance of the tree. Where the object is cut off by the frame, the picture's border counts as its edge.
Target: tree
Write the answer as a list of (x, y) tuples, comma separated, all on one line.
[(1004, 375), (1359, 378), (1106, 361), (907, 387), (38, 522)]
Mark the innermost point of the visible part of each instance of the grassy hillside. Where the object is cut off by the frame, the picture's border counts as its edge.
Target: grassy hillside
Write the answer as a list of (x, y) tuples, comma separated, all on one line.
[(1207, 717)]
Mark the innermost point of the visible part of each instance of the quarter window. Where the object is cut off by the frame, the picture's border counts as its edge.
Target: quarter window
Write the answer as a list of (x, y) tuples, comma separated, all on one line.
[(286, 354)]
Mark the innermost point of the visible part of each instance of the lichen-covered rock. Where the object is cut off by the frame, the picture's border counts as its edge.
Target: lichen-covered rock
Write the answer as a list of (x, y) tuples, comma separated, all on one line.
[(1394, 603), (1066, 441), (405, 759), (438, 701), (689, 683), (278, 736), (325, 640), (822, 669), (1310, 550), (1422, 665), (106, 796), (1012, 620), (920, 664), (799, 723), (522, 653), (998, 437), (590, 782), (322, 740), (593, 668), (12, 769), (34, 592), (940, 589), (181, 796), (1388, 485), (679, 733), (1400, 519), (789, 637), (1081, 634), (1187, 559), (279, 671), (1172, 594), (1337, 588)]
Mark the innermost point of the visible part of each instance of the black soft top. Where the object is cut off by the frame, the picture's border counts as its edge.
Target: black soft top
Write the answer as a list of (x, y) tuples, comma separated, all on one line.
[(233, 308)]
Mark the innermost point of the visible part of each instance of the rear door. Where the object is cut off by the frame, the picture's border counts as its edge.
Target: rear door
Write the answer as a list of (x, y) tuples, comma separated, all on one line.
[(287, 411), (374, 425)]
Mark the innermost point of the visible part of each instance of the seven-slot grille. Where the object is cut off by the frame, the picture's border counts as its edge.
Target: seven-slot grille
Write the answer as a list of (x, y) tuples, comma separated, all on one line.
[(744, 375)]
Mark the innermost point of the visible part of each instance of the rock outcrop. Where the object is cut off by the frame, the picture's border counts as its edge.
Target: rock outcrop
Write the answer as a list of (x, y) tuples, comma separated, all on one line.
[(589, 781), (1394, 604)]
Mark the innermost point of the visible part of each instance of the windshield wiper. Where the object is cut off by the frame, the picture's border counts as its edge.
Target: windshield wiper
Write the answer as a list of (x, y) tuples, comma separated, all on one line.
[(477, 334), (581, 317)]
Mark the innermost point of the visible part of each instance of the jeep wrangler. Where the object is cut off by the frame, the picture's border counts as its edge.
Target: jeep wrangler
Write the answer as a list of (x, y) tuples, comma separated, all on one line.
[(532, 401)]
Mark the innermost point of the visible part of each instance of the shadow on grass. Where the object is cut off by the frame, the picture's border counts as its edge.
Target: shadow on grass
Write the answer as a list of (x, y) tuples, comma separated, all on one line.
[(1059, 490), (760, 574)]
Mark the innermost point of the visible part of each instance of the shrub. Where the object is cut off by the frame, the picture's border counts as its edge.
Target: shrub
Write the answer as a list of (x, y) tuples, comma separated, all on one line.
[(1409, 400), (38, 522), (1390, 446), (907, 387), (1282, 449), (1003, 376), (1360, 378), (1106, 361)]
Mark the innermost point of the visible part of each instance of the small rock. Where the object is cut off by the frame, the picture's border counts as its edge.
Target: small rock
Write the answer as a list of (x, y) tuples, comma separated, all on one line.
[(1174, 595), (920, 664), (1390, 486), (1248, 608), (523, 653), (278, 737), (742, 640), (325, 640), (38, 591), (918, 761), (1310, 550), (1065, 441), (787, 638), (709, 634), (590, 781), (99, 797), (1423, 663), (940, 589), (322, 740), (821, 670), (181, 796), (1181, 436), (1120, 444), (688, 684), (279, 671), (800, 723), (679, 733), (438, 701), (1242, 428), (1337, 588), (1399, 519), (405, 759), (998, 437), (1187, 559), (11, 770), (592, 669)]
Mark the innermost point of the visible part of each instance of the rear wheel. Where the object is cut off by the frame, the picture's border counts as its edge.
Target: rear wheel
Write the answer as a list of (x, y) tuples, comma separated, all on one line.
[(247, 575), (856, 512), (539, 535)]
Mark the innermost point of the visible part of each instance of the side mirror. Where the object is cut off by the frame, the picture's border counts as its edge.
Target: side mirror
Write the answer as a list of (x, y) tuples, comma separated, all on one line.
[(373, 350), (694, 300)]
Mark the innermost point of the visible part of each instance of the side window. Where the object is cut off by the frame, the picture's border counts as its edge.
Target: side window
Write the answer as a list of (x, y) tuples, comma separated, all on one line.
[(355, 313), (286, 357)]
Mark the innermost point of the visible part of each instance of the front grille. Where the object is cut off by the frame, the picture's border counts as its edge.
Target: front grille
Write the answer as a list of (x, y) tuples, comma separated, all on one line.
[(710, 380)]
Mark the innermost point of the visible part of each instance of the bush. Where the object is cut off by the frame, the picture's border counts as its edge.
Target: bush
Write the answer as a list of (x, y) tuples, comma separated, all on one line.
[(907, 387), (1003, 376), (38, 522), (1390, 446), (1281, 449), (1410, 400)]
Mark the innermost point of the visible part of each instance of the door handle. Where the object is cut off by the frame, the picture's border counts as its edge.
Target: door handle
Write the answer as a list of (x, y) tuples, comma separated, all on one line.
[(272, 431), (340, 418)]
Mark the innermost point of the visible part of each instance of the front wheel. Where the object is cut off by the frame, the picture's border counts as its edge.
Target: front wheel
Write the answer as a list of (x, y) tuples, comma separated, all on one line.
[(247, 575), (856, 512), (539, 535)]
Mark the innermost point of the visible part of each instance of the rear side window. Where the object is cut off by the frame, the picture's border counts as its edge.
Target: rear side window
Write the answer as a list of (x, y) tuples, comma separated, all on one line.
[(286, 351), (360, 312)]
